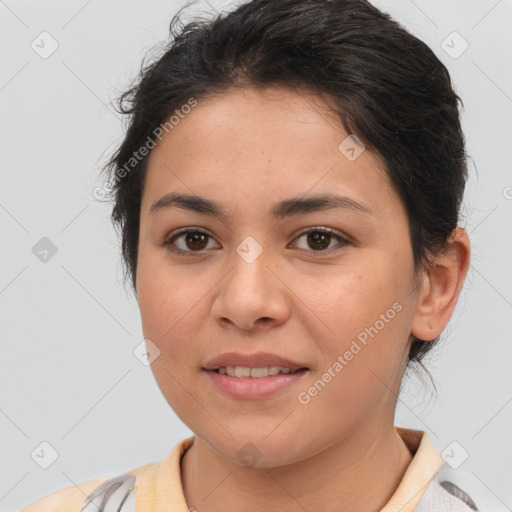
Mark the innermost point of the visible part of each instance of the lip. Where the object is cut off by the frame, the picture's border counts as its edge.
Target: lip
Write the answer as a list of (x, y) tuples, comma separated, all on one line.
[(251, 388), (258, 360)]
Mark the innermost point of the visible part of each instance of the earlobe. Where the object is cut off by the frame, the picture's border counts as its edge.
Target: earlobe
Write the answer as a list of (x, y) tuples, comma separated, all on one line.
[(440, 289)]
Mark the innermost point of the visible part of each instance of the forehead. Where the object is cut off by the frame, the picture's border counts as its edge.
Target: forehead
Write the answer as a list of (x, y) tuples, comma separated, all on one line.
[(255, 144)]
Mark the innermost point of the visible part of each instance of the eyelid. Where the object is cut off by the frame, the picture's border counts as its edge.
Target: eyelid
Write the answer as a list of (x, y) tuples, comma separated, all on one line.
[(342, 239), (169, 240)]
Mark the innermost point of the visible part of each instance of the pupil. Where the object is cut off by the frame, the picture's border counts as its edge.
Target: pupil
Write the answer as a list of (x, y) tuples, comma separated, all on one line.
[(196, 238), (319, 238)]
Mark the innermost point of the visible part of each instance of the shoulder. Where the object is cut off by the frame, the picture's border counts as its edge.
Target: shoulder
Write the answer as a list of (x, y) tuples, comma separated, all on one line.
[(93, 495), (458, 490), (121, 493)]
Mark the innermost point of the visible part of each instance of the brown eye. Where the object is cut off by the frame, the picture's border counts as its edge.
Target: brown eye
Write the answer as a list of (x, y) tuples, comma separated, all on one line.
[(190, 241), (319, 240), (196, 240)]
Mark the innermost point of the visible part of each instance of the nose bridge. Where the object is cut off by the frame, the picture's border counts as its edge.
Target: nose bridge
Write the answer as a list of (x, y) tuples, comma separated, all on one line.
[(250, 265), (250, 250)]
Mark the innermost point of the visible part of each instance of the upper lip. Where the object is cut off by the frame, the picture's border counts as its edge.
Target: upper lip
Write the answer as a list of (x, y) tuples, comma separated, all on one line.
[(258, 360)]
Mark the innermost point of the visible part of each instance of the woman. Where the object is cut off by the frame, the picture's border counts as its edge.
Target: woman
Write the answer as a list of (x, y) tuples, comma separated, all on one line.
[(288, 193)]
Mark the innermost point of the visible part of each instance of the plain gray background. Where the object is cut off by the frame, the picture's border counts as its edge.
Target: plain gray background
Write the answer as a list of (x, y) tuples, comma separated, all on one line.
[(68, 374)]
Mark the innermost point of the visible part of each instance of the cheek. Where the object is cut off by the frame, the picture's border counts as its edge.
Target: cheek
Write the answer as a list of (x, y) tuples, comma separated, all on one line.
[(367, 317), (355, 298), (166, 292)]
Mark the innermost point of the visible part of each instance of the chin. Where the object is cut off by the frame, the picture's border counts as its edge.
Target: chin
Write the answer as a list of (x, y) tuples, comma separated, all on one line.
[(255, 448)]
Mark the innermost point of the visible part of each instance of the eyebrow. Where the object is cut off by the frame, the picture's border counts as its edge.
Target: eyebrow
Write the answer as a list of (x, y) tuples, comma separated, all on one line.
[(285, 208)]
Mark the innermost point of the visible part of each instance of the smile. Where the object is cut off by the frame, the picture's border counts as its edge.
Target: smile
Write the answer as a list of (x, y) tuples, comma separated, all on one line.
[(255, 373)]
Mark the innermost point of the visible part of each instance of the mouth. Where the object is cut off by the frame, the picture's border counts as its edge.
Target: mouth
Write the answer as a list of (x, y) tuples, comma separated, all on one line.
[(254, 376), (246, 372)]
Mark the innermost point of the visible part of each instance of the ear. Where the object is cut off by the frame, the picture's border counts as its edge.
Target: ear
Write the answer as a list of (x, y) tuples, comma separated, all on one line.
[(440, 288)]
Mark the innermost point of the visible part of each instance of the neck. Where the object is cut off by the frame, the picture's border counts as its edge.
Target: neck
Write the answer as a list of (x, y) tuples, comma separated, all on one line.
[(339, 478)]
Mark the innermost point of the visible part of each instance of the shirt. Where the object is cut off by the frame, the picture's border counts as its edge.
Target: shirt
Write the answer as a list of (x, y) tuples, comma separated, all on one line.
[(429, 484)]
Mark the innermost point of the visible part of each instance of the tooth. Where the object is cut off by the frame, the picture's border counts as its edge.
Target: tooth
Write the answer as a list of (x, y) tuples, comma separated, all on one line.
[(255, 373), (242, 371), (258, 373)]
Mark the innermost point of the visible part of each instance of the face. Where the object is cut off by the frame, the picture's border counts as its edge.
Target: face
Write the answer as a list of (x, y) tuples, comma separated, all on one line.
[(330, 288)]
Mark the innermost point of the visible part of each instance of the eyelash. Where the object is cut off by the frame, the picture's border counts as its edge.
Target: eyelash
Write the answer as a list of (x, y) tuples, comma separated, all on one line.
[(169, 242)]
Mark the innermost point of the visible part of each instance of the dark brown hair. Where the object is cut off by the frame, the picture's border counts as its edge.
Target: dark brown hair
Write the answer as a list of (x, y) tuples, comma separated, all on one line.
[(387, 87)]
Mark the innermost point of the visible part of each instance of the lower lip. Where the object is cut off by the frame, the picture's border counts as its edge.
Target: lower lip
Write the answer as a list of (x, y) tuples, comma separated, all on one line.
[(254, 389)]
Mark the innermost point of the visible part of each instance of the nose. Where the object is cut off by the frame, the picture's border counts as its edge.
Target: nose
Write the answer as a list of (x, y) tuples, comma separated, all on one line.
[(253, 295)]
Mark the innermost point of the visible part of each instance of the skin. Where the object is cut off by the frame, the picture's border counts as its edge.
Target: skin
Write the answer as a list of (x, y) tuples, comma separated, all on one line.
[(247, 150)]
